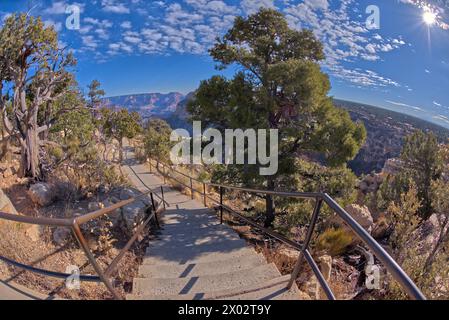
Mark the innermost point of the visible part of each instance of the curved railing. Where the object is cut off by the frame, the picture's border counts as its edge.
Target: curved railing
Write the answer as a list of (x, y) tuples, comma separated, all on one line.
[(390, 264), (75, 223)]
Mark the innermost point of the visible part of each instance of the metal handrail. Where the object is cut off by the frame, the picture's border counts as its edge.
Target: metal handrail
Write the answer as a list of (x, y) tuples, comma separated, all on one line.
[(391, 265), (74, 224)]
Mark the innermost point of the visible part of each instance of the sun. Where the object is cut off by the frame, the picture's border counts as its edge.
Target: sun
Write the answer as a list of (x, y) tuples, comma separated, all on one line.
[(429, 17)]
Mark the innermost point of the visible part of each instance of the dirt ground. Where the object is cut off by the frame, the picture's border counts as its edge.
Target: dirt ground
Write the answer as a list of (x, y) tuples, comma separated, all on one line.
[(34, 245)]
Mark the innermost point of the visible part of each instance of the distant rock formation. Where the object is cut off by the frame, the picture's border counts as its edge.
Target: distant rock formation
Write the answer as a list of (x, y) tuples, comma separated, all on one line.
[(147, 104)]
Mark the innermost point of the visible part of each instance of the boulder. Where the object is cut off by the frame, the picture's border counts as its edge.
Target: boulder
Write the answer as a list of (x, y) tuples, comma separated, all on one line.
[(8, 173), (428, 232), (94, 206), (128, 193), (6, 204), (362, 215), (133, 214), (61, 235), (115, 215), (312, 287), (41, 194), (34, 233)]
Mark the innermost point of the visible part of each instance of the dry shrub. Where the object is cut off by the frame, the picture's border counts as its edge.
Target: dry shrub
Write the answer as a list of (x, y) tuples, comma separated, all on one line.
[(334, 241)]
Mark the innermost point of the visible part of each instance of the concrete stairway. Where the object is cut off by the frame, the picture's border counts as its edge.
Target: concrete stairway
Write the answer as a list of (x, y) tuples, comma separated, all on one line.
[(195, 257)]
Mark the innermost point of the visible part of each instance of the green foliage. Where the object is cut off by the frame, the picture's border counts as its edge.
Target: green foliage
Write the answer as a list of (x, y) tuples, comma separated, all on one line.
[(120, 124), (334, 241), (422, 159), (404, 218), (36, 71), (280, 87), (95, 93), (157, 142)]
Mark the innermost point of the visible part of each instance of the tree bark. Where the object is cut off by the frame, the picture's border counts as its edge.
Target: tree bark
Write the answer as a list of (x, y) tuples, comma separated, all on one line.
[(270, 207), (120, 150)]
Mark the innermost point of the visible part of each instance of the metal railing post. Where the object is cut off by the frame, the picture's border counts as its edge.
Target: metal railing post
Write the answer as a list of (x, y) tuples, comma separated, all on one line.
[(204, 194), (315, 215), (83, 243), (163, 197), (154, 210), (191, 188), (221, 205)]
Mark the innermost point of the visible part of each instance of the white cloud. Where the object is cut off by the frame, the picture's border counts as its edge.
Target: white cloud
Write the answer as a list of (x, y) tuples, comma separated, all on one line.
[(401, 104), (113, 6), (59, 7), (126, 25)]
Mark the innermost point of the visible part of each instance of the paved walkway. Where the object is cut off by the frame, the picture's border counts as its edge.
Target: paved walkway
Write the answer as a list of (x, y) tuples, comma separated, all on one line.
[(197, 258)]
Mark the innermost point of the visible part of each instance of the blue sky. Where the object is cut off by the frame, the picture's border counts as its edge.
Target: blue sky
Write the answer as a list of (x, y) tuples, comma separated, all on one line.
[(139, 46)]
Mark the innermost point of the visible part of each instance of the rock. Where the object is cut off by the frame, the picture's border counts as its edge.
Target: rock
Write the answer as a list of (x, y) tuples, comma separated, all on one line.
[(312, 287), (6, 204), (133, 214), (428, 232), (362, 215), (392, 166), (7, 173), (325, 263), (115, 215), (34, 233), (41, 194), (94, 206), (380, 229), (363, 186), (288, 255), (128, 193), (61, 235)]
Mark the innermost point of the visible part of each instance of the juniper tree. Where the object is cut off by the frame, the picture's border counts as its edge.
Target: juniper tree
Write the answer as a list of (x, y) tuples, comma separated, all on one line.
[(121, 124), (33, 73), (279, 86)]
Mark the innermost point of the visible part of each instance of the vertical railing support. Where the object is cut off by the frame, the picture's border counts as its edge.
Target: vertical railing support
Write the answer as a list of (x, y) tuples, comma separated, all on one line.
[(315, 215), (204, 194), (221, 205), (83, 243), (163, 197), (152, 202), (191, 188), (154, 210)]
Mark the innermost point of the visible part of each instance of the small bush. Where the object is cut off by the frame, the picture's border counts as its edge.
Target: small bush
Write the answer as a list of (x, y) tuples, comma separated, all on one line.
[(334, 241)]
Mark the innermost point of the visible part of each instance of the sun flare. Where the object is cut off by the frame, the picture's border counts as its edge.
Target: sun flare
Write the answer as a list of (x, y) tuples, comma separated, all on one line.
[(429, 17)]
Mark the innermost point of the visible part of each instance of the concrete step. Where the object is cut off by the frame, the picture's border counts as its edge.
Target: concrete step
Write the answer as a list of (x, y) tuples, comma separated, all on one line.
[(207, 283), (204, 252), (190, 236), (200, 269), (167, 258), (275, 289), (196, 243), (190, 221), (169, 249)]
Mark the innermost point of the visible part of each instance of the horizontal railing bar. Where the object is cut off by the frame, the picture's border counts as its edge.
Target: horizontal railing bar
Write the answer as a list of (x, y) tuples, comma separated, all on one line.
[(272, 233), (106, 211), (37, 220), (146, 186), (53, 274), (305, 195), (391, 265)]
